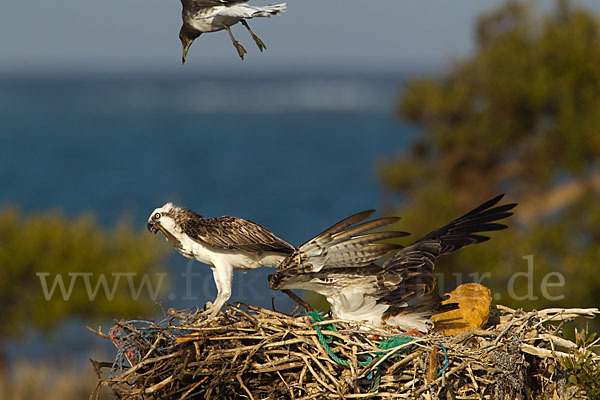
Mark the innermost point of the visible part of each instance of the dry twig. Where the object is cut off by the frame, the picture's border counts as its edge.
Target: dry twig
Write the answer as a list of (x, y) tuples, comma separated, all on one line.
[(257, 353)]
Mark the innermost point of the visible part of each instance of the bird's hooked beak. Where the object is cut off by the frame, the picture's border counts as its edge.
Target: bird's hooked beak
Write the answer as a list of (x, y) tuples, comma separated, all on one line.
[(153, 227), (274, 281)]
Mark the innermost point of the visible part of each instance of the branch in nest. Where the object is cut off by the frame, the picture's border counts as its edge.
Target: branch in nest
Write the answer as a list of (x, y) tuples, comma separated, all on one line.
[(98, 332), (298, 300)]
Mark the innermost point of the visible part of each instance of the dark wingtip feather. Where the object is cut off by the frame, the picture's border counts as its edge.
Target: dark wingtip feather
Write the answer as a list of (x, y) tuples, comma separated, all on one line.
[(401, 233), (491, 227), (484, 206), (346, 222), (463, 230), (384, 235)]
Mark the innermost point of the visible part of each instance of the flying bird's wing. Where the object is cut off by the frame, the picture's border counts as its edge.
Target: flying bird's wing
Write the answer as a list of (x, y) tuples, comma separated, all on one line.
[(192, 9), (243, 10), (415, 263), (341, 245), (194, 5), (234, 233)]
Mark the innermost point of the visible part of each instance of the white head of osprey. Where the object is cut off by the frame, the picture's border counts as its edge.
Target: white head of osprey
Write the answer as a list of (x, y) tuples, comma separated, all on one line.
[(164, 215)]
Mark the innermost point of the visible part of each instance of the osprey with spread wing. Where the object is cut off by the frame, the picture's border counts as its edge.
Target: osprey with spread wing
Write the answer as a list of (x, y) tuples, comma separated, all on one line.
[(398, 293), (201, 16)]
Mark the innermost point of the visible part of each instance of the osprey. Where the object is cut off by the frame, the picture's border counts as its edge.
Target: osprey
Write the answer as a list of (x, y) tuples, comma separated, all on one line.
[(200, 16), (224, 243), (397, 294)]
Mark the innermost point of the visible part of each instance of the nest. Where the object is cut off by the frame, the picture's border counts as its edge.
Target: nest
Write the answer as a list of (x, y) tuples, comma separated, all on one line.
[(255, 353)]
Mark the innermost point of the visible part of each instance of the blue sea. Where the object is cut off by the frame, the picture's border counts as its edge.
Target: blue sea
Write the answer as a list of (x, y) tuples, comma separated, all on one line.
[(292, 152)]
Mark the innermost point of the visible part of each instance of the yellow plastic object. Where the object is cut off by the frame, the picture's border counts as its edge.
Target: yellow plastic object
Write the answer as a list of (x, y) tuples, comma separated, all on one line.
[(474, 302)]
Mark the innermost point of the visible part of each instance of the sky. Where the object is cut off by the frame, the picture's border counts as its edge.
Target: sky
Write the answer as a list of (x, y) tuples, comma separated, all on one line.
[(132, 35)]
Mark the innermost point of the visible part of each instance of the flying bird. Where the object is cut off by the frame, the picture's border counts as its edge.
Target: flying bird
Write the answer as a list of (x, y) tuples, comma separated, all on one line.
[(201, 16), (398, 293), (224, 243)]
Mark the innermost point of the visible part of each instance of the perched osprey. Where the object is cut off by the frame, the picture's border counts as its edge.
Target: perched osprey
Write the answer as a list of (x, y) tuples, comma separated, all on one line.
[(224, 243), (200, 16), (399, 293)]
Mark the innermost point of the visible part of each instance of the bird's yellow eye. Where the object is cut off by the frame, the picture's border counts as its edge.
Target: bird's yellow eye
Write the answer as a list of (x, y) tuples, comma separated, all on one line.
[(157, 216)]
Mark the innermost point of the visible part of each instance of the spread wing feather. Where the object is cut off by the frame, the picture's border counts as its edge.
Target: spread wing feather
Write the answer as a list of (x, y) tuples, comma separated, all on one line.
[(404, 283), (361, 256), (415, 263), (339, 246), (368, 226), (322, 249), (195, 5), (343, 224), (234, 233), (245, 11)]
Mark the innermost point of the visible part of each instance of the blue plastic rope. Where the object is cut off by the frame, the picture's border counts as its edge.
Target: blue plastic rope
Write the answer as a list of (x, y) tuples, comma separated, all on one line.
[(128, 351), (445, 360)]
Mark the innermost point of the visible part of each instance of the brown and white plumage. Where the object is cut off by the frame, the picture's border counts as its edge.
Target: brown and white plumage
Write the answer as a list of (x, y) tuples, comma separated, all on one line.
[(233, 233), (342, 244), (224, 243), (338, 264), (201, 16), (399, 293)]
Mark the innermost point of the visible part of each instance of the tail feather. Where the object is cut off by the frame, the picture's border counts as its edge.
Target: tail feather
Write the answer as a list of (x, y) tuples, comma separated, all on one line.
[(267, 11), (417, 315)]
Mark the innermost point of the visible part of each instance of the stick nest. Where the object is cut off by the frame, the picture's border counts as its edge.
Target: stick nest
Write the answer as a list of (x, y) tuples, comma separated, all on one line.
[(251, 352)]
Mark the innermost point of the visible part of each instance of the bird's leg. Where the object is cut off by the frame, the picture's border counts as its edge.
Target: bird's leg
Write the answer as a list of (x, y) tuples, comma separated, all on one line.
[(223, 275), (240, 49), (259, 43)]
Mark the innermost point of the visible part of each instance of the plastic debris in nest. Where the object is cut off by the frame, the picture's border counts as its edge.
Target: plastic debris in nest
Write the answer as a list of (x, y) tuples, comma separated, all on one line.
[(257, 353), (474, 301), (129, 337)]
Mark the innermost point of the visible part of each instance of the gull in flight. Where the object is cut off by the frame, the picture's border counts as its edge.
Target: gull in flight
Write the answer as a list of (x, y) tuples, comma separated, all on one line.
[(201, 16)]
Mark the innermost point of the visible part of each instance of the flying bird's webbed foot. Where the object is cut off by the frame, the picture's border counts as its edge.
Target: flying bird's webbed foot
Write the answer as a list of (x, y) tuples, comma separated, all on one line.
[(259, 43), (240, 49)]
